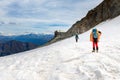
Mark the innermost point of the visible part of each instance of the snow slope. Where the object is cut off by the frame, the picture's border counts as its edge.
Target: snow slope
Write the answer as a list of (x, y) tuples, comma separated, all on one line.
[(67, 60)]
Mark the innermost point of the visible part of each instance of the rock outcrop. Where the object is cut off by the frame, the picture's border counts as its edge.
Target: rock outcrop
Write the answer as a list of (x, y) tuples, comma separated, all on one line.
[(108, 9)]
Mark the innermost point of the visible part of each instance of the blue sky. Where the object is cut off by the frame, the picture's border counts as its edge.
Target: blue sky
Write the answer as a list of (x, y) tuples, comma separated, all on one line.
[(41, 16)]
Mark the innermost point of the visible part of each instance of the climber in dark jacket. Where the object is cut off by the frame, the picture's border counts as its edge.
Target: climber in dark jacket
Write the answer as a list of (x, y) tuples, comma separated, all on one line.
[(76, 37)]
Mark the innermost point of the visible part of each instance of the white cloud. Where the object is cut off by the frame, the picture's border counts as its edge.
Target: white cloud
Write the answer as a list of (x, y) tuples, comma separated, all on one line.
[(68, 10), (47, 11)]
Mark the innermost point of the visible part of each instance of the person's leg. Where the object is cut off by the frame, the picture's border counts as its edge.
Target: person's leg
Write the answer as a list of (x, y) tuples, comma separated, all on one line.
[(93, 46), (97, 46), (76, 40)]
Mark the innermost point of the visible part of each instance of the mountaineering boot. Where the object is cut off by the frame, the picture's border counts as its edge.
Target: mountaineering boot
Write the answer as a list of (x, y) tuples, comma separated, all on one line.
[(93, 49), (97, 49)]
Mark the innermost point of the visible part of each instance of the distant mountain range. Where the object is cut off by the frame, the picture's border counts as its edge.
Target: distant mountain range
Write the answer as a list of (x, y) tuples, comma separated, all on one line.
[(14, 44), (38, 39), (12, 47)]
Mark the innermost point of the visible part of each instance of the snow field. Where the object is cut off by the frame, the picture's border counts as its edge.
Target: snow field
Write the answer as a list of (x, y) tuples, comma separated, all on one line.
[(68, 60)]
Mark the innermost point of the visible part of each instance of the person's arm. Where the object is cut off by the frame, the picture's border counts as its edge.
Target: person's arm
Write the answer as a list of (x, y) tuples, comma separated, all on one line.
[(99, 34), (91, 37)]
